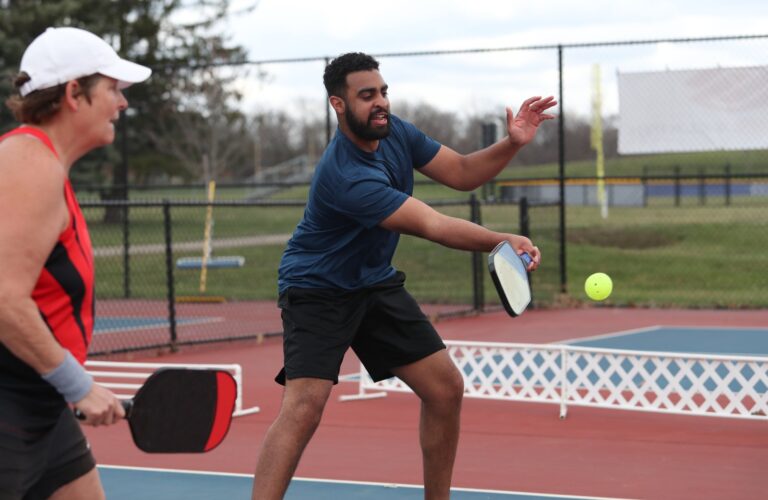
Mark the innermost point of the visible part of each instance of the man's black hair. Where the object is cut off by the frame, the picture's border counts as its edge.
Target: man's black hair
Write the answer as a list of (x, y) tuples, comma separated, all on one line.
[(335, 76)]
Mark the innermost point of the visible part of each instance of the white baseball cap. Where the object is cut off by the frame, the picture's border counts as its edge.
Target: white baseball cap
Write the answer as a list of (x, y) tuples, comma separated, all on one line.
[(63, 54)]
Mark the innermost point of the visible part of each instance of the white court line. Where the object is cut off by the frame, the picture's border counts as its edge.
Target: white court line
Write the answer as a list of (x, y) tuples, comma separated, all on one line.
[(620, 333), (175, 471), (730, 328), (656, 328), (360, 483)]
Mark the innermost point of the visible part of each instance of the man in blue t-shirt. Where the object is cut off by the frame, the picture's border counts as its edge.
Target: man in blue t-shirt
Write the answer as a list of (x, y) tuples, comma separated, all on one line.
[(338, 288)]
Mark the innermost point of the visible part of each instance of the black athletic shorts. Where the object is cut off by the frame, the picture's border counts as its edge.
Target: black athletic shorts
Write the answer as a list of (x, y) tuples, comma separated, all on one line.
[(34, 463), (383, 324)]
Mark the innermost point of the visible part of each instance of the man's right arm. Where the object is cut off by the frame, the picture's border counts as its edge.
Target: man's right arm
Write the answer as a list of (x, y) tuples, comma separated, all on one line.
[(466, 172), (416, 218)]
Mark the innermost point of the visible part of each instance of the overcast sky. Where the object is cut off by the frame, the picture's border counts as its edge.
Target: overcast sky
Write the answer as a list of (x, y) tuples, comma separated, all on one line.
[(486, 82)]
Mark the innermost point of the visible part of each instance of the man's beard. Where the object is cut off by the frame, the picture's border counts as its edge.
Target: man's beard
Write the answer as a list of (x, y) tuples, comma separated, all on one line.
[(365, 130)]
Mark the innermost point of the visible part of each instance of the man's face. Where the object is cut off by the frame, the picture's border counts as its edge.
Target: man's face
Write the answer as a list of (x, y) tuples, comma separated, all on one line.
[(367, 105)]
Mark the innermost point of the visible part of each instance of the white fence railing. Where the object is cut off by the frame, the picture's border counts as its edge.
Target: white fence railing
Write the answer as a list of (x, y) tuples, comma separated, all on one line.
[(124, 378), (689, 384)]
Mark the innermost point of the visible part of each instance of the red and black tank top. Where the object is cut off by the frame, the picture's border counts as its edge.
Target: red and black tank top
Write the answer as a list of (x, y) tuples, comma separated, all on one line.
[(64, 292)]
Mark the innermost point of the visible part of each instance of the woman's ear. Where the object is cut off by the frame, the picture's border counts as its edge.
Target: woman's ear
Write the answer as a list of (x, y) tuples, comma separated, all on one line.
[(72, 91)]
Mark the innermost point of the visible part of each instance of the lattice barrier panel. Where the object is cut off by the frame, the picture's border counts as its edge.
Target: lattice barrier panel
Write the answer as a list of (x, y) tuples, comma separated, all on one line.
[(680, 383), (124, 378)]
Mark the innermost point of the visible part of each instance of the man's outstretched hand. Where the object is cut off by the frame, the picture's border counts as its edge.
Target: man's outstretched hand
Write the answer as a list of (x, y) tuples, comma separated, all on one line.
[(523, 126)]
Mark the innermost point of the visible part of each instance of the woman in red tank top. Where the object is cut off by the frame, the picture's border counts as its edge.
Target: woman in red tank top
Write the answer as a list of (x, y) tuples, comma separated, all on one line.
[(69, 96)]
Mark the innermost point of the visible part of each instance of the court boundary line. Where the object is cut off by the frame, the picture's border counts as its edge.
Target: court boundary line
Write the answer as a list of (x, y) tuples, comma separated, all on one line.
[(362, 483), (654, 328), (609, 335), (711, 327)]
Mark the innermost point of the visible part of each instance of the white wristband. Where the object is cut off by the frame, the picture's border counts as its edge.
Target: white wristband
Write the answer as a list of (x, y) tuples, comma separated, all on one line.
[(70, 379)]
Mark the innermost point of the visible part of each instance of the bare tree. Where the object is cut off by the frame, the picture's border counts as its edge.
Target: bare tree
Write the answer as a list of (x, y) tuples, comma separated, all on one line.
[(443, 126), (205, 131)]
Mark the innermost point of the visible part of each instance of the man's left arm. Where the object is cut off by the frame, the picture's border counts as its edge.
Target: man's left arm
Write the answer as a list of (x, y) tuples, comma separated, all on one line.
[(468, 172)]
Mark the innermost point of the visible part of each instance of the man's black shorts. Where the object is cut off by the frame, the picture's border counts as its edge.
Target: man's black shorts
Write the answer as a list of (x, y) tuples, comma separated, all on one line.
[(34, 464), (383, 324)]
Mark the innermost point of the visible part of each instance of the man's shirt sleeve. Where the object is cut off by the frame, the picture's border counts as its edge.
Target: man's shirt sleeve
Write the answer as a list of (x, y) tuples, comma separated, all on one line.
[(368, 199), (423, 147)]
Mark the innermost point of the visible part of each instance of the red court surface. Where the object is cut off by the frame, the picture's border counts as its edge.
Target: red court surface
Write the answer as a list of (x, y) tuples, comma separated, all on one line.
[(504, 445)]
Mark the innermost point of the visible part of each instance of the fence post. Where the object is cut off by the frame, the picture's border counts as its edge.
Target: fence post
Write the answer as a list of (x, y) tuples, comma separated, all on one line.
[(525, 230), (525, 222), (644, 181), (478, 297), (727, 184), (488, 138), (561, 169), (328, 130), (126, 253), (702, 187), (677, 185), (169, 273)]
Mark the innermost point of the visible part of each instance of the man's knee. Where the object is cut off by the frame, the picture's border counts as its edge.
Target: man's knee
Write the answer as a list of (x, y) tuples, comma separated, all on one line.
[(447, 390), (308, 411), (454, 386), (304, 405)]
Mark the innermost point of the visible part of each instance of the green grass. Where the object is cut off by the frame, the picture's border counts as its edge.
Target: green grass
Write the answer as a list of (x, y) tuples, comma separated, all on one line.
[(661, 255), (257, 280), (673, 256)]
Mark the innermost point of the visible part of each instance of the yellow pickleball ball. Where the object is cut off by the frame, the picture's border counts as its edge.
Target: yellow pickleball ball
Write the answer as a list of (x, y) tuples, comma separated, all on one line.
[(598, 286)]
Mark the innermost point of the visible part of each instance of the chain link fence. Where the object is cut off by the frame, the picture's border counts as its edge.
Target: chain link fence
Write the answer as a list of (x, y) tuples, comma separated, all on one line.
[(661, 251), (153, 291), (655, 172)]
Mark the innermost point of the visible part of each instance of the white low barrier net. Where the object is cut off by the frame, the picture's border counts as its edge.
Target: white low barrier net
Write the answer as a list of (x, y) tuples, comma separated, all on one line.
[(691, 384)]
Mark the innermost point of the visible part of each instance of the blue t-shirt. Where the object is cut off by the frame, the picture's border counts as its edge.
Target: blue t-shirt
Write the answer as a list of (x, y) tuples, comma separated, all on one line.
[(338, 243)]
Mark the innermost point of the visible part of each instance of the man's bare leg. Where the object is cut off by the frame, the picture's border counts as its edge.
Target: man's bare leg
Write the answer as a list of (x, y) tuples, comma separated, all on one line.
[(440, 386), (300, 413)]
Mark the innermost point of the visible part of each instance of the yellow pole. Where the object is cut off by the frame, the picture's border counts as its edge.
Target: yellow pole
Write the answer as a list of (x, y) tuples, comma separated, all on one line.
[(208, 236), (597, 140)]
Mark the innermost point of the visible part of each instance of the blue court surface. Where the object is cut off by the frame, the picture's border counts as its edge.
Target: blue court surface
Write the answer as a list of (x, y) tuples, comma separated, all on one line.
[(698, 340), (112, 324), (124, 483)]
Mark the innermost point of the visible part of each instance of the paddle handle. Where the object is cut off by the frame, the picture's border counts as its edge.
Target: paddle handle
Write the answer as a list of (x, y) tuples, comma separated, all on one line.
[(527, 260), (127, 406)]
